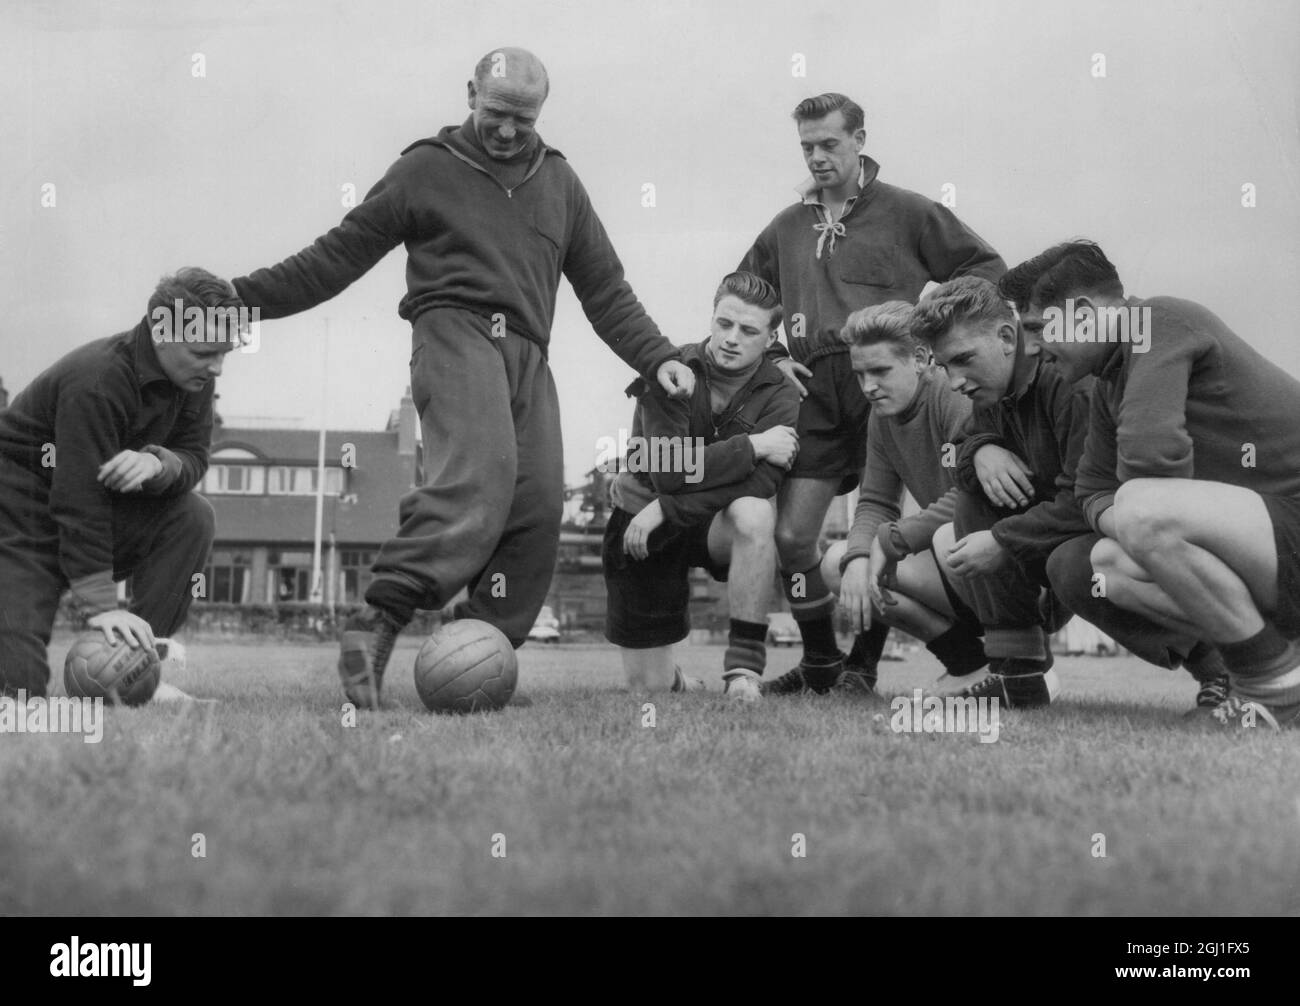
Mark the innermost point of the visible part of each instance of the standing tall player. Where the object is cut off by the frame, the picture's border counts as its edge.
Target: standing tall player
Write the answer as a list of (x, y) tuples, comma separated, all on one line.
[(492, 218), (1192, 475), (850, 242)]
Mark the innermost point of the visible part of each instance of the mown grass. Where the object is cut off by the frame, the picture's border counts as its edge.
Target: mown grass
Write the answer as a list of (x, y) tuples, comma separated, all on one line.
[(400, 814)]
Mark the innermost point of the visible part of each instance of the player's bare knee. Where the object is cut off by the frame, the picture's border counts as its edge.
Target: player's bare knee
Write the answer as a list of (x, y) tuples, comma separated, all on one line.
[(793, 545), (944, 540), (1143, 520), (751, 518), (1106, 556)]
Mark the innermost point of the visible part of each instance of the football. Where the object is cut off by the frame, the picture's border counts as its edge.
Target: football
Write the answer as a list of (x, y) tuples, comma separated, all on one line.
[(467, 666), (115, 672)]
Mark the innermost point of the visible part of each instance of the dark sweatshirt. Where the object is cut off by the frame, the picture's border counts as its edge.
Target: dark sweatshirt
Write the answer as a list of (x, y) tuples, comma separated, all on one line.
[(476, 245), (894, 242), (1188, 408), (906, 451), (105, 397), (1043, 420), (728, 468)]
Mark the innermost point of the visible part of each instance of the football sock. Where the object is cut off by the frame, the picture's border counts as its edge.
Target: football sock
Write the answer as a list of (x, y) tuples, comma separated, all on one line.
[(390, 598), (1205, 663), (866, 651), (1025, 644), (811, 604), (1258, 655), (960, 650), (746, 649)]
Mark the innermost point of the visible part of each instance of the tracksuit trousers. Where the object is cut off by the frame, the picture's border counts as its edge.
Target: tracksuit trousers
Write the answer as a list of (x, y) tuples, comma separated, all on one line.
[(159, 542), (488, 514)]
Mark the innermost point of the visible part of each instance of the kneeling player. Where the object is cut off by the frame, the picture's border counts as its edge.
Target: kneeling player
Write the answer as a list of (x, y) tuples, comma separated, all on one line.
[(999, 559), (1192, 475), (915, 425), (97, 459), (733, 441)]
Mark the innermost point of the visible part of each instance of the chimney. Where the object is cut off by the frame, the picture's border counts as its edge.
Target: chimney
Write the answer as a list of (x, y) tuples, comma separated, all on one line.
[(406, 422)]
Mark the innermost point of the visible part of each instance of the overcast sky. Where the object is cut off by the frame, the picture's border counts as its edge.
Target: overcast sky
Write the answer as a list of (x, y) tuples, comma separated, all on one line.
[(155, 168)]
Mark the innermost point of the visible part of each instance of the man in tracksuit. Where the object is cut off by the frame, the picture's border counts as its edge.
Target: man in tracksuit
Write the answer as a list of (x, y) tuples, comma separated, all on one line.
[(1191, 475), (696, 490), (97, 459), (999, 558), (850, 242), (492, 218)]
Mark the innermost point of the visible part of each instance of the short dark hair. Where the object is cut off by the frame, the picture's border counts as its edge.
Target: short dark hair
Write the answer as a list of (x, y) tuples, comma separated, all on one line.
[(889, 323), (962, 300), (194, 287), (753, 290), (1065, 269), (824, 104)]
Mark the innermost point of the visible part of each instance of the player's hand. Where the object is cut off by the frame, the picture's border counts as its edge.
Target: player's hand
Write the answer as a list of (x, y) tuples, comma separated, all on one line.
[(677, 379), (854, 596), (1003, 476), (637, 536), (133, 629), (793, 371), (884, 575), (976, 554), (128, 471), (779, 445)]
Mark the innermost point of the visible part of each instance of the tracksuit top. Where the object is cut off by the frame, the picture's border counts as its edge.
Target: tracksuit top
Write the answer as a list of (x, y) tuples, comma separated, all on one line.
[(1043, 420), (1200, 403), (105, 397), (475, 245), (728, 468), (906, 451), (888, 244)]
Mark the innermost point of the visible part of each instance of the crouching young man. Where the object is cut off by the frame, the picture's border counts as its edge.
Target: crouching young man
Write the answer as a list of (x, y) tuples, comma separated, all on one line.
[(696, 490), (1191, 477), (97, 459), (1028, 416), (885, 569)]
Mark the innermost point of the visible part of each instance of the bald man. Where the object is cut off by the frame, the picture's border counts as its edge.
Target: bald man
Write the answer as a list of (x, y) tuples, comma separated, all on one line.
[(491, 218)]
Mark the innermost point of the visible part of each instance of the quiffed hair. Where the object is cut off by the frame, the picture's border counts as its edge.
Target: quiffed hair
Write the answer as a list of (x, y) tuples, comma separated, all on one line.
[(194, 287), (824, 104), (959, 301), (1074, 267), (753, 290), (889, 323)]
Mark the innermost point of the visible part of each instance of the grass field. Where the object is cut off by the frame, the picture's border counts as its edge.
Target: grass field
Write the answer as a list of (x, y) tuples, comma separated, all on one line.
[(599, 814)]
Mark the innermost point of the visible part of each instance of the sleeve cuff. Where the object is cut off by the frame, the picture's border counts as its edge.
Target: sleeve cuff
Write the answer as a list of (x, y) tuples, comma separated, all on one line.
[(94, 594), (171, 468), (849, 556), (892, 542)]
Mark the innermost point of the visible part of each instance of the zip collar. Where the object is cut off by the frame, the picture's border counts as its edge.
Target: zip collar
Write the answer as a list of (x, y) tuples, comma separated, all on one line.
[(442, 141)]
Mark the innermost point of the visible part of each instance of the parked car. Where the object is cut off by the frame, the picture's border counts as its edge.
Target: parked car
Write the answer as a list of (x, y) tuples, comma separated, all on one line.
[(546, 629), (782, 630)]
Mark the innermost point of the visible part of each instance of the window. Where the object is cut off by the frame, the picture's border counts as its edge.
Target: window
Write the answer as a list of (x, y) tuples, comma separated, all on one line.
[(234, 479), (354, 575), (300, 480), (288, 576), (228, 578)]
